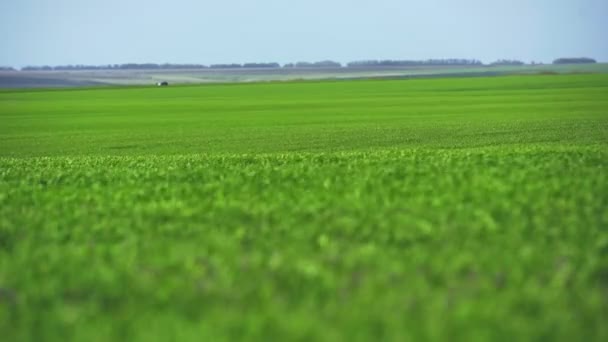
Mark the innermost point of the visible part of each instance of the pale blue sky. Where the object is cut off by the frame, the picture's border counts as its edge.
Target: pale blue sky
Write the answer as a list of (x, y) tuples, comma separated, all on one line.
[(36, 32)]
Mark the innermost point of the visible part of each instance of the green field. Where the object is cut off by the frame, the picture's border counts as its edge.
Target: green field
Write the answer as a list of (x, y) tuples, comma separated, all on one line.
[(447, 209)]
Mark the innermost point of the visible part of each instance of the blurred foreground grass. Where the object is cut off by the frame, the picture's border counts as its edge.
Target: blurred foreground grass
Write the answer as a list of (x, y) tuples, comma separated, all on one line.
[(409, 210)]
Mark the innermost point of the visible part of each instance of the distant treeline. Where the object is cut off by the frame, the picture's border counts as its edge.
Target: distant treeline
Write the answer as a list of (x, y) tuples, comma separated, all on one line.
[(428, 62), (127, 66), (320, 64), (580, 60), (153, 66), (507, 62), (245, 65)]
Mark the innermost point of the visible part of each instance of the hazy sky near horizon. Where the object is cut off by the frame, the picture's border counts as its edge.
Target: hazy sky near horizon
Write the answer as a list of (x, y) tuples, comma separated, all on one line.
[(53, 32)]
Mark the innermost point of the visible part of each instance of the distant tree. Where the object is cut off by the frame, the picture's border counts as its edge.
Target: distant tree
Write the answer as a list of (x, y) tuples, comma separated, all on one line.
[(319, 64), (501, 62), (362, 64), (225, 66), (261, 65), (579, 60), (182, 66), (5, 68), (37, 68), (137, 66), (327, 64), (153, 66), (304, 65)]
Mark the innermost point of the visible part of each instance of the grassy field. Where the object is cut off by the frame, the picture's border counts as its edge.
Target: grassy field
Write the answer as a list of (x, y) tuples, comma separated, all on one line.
[(445, 209)]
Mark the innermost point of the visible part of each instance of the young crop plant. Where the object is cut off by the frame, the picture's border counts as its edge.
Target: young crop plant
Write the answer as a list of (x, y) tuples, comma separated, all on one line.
[(439, 209)]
